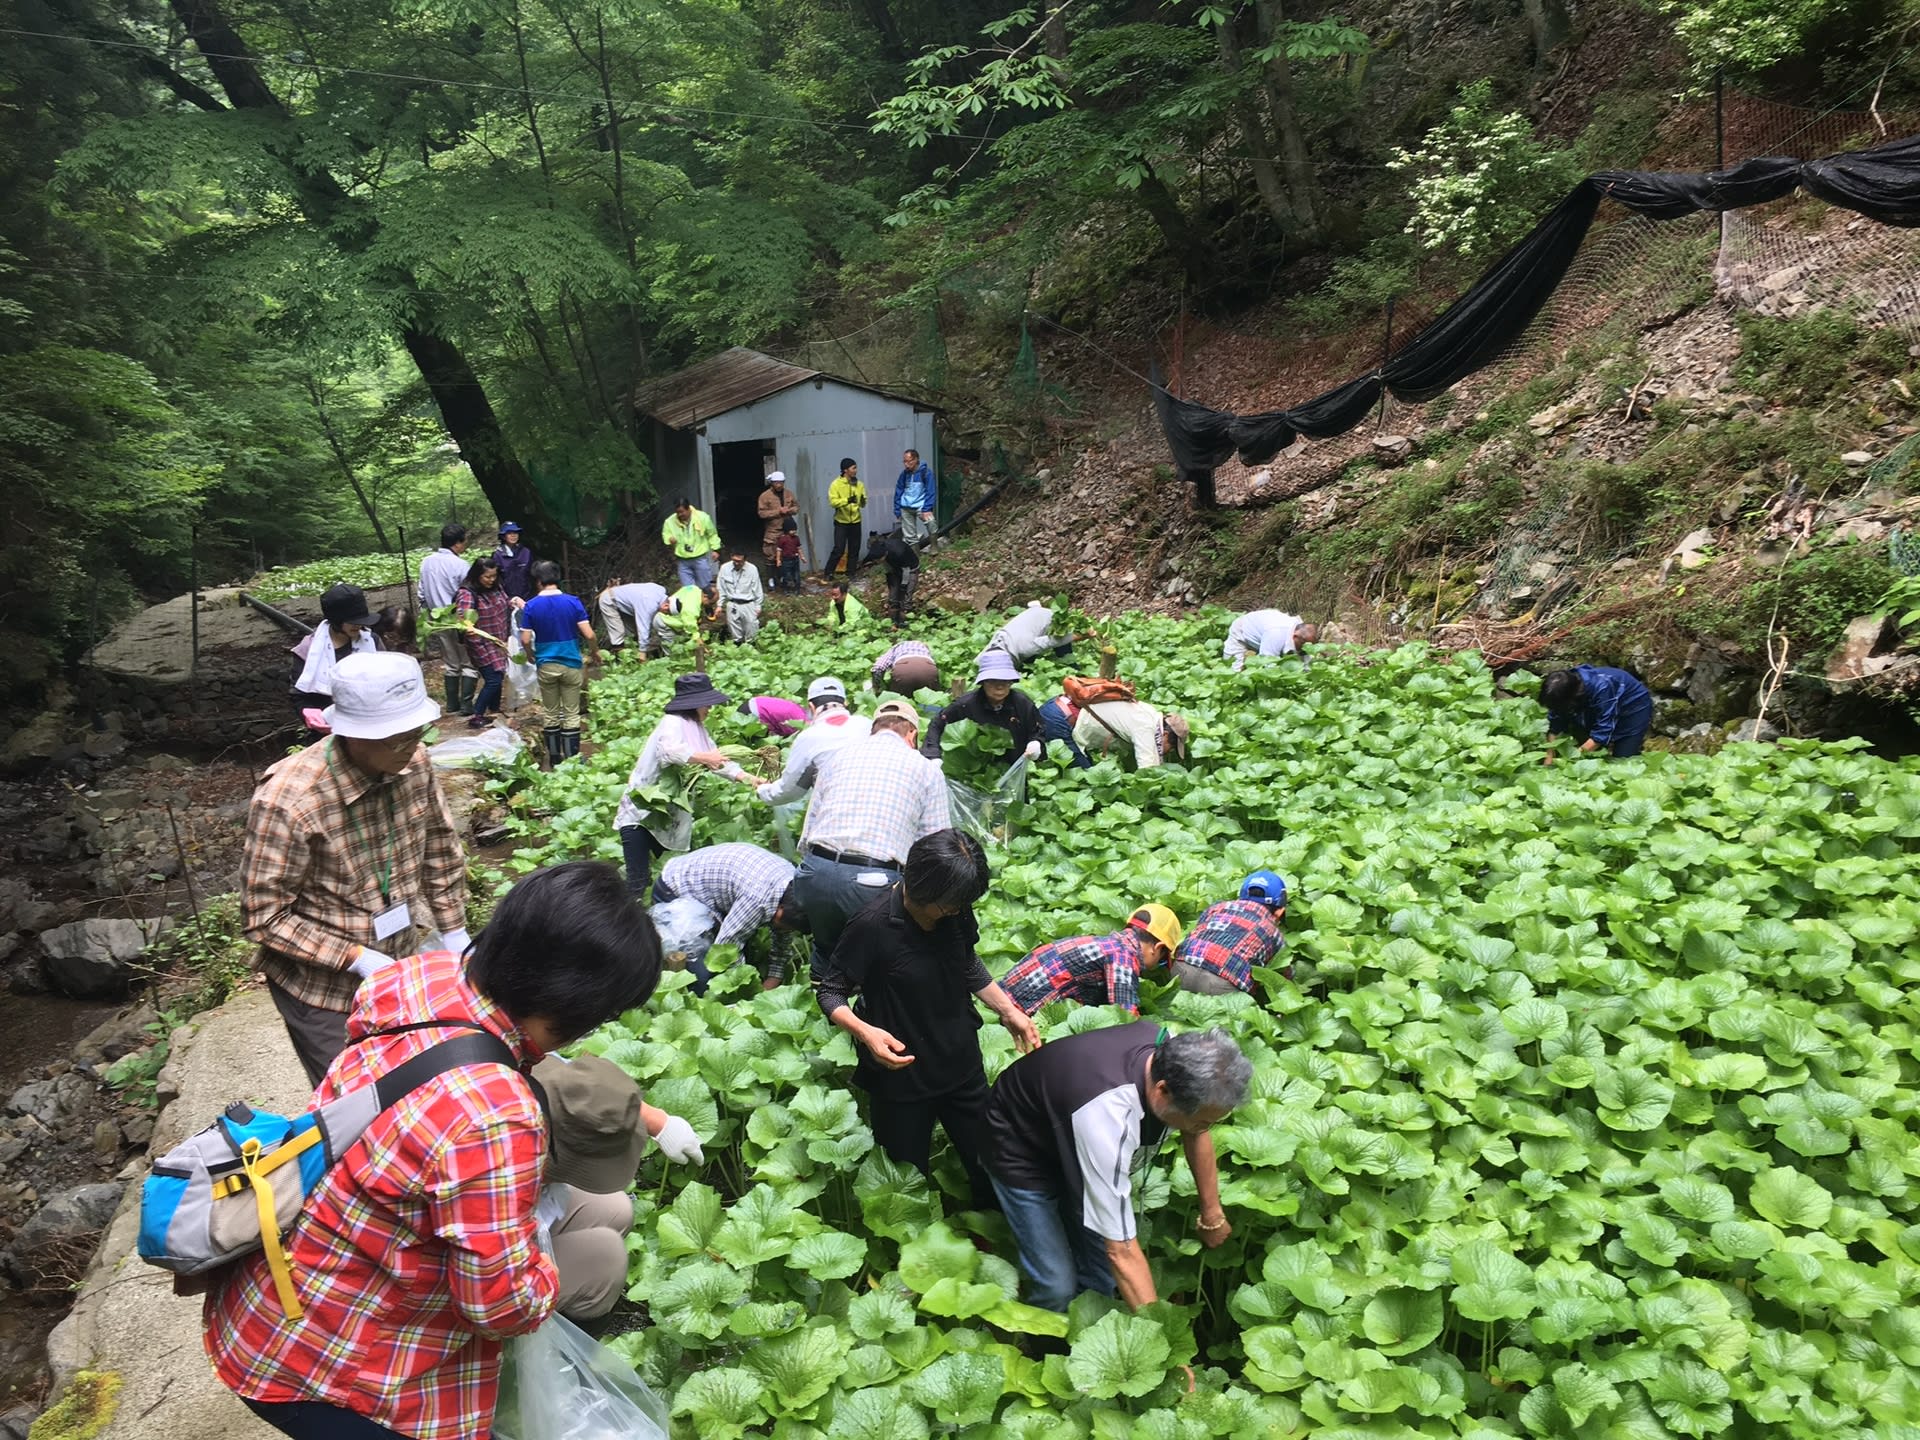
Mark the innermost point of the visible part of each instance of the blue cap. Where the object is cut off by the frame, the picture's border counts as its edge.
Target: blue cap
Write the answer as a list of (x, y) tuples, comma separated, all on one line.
[(1266, 887), (508, 527)]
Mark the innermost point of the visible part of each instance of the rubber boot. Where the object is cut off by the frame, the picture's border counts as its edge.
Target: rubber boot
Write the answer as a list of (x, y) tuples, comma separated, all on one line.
[(450, 683), (468, 692), (555, 752), (569, 744)]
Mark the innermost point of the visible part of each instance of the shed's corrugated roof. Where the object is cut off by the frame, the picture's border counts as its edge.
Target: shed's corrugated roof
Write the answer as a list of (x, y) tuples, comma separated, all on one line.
[(716, 385)]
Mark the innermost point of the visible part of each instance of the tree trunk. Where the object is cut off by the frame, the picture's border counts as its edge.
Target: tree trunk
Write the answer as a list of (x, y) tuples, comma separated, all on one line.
[(893, 45), (451, 380), (319, 403), (1253, 134), (1186, 243), (1550, 25), (1302, 181)]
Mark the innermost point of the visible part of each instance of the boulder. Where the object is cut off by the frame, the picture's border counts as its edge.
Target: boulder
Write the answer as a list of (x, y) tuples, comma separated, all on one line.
[(1690, 553), (17, 1420), (67, 1216), (1764, 732), (54, 1101), (19, 910), (1865, 638), (92, 959), (120, 1035), (34, 743)]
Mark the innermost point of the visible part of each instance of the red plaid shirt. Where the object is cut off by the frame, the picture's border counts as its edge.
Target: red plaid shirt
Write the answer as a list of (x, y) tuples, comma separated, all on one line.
[(492, 612), (1230, 938), (1093, 969), (416, 1253)]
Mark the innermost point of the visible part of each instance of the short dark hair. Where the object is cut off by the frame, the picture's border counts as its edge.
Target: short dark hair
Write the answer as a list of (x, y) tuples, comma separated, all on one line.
[(791, 914), (847, 461), (683, 503), (948, 867), (546, 572), (569, 946), (788, 525), (911, 451), (1560, 689), (451, 534)]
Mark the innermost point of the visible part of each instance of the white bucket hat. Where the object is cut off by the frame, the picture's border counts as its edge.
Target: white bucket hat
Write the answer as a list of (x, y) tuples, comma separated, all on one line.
[(377, 695), (994, 665)]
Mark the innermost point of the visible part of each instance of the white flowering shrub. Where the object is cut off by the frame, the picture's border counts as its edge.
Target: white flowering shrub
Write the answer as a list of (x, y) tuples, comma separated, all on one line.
[(1480, 180)]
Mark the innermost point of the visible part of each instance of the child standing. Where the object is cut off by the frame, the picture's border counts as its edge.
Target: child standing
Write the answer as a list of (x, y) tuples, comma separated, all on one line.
[(787, 576)]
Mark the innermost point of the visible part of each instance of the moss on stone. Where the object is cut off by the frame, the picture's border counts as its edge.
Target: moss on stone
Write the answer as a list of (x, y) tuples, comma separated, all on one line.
[(84, 1409)]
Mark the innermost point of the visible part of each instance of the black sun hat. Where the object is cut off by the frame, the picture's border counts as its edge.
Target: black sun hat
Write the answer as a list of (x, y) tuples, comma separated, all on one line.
[(695, 691)]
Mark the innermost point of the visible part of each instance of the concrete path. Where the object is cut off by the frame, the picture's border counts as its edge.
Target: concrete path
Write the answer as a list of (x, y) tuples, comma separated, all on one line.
[(127, 1319)]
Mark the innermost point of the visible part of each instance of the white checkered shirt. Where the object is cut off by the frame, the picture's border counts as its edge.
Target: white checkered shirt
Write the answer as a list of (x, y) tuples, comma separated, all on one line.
[(743, 883), (876, 797)]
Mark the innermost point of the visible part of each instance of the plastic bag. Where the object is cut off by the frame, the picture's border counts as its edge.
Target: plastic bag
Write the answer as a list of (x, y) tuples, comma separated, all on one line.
[(987, 814), (786, 821), (559, 1383), (459, 752), (522, 686), (686, 930)]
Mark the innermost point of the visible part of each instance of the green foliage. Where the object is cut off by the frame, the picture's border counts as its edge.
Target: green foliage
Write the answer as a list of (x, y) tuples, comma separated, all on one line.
[(289, 582), (1480, 180), (1587, 1105), (1817, 596), (1815, 357), (1744, 38)]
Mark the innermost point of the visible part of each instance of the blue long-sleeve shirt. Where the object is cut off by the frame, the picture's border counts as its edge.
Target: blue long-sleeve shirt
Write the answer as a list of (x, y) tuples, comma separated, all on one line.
[(1606, 696), (913, 490)]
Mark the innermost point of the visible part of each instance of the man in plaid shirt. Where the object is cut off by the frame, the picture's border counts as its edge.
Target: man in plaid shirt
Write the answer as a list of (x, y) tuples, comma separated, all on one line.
[(747, 887), (415, 1255), (1230, 939), (1096, 969), (351, 857)]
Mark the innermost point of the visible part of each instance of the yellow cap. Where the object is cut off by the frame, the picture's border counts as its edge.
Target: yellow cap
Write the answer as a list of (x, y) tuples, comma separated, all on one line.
[(1159, 922)]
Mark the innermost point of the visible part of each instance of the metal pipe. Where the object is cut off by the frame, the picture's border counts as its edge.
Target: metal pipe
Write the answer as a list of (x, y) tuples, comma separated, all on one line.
[(279, 617)]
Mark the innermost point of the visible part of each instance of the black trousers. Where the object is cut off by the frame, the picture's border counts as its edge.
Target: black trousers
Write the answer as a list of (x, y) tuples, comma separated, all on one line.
[(846, 541), (317, 1420), (904, 1130)]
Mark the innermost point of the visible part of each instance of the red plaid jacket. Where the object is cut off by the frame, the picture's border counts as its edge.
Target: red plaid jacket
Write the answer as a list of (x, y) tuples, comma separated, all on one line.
[(416, 1254)]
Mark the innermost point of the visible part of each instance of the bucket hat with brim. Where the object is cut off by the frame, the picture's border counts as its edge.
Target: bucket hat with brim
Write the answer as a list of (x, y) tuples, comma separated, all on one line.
[(378, 694), (594, 1108), (694, 691)]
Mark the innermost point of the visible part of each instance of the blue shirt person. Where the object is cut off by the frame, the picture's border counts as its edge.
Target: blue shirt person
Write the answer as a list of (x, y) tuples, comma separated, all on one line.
[(1611, 707)]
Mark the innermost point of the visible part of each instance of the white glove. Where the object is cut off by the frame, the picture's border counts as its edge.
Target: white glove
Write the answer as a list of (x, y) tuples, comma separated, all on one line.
[(1033, 749), (368, 963), (457, 940), (678, 1142)]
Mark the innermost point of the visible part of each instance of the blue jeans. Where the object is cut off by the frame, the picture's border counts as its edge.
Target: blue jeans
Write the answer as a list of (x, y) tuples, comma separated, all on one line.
[(1630, 730), (831, 894), (636, 848), (489, 696), (1054, 726), (1059, 1256), (697, 571)]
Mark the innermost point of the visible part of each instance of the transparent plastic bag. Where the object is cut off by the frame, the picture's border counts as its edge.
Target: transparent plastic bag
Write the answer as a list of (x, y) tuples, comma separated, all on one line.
[(786, 822), (559, 1383), (522, 685), (987, 814), (460, 752), (686, 930)]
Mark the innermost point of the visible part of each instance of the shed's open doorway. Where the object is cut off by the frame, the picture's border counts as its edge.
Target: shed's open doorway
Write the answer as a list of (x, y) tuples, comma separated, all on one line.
[(740, 470)]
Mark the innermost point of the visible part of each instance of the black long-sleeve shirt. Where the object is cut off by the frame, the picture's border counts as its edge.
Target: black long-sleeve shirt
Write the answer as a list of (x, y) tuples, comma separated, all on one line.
[(1017, 715), (917, 985)]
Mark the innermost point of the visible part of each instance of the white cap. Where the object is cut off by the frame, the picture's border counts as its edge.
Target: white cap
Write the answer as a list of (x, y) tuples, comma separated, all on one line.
[(826, 688), (379, 694)]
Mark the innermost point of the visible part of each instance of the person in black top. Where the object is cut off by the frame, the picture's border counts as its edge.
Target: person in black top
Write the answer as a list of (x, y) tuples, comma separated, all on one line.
[(910, 957), (992, 701), (1063, 1130), (903, 570)]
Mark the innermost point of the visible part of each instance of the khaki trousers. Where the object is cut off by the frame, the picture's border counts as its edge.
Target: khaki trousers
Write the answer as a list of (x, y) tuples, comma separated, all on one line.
[(590, 1252)]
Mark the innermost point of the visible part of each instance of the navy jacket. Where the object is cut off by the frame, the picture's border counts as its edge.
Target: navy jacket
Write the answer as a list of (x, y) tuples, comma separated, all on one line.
[(516, 571), (1611, 700)]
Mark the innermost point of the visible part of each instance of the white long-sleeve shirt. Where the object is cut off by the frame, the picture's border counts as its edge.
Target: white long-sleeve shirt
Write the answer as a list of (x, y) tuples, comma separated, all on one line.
[(1137, 722), (673, 743), (824, 734), (1025, 636), (441, 575), (1261, 632), (740, 586)]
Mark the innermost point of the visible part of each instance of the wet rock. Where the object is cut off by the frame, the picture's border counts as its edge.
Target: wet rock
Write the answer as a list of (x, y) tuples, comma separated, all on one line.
[(67, 1216), (34, 743), (92, 959), (19, 910), (1764, 732), (16, 1421), (52, 1102), (139, 1130), (120, 1035)]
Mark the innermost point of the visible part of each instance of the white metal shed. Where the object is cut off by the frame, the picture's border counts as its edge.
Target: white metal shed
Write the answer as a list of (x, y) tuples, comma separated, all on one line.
[(721, 426)]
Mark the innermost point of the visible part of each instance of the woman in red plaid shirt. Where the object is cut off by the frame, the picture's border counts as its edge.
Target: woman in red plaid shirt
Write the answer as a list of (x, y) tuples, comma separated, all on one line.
[(416, 1255)]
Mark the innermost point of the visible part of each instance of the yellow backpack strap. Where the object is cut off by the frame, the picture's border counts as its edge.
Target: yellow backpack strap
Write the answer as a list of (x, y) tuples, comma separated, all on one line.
[(278, 1156), (270, 1229)]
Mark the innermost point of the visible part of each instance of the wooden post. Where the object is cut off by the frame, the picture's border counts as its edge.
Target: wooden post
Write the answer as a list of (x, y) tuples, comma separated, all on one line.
[(193, 659), (1109, 662)]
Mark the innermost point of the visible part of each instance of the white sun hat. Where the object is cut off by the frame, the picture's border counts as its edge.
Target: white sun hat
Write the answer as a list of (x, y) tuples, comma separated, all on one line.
[(377, 695)]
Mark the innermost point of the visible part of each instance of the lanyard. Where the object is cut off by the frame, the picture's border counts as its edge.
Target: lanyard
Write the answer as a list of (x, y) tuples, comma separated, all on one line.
[(364, 845)]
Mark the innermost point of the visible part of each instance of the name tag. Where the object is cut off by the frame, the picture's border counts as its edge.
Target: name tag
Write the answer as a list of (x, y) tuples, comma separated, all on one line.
[(392, 922)]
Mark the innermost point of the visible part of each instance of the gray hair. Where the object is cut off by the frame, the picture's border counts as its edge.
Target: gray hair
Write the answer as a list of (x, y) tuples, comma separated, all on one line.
[(1203, 1070)]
